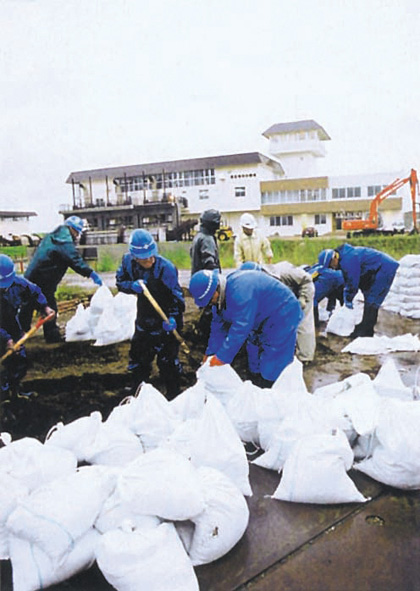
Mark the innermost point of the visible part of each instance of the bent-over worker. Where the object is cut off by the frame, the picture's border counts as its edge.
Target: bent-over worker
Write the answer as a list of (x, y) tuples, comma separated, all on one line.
[(253, 308), (367, 269)]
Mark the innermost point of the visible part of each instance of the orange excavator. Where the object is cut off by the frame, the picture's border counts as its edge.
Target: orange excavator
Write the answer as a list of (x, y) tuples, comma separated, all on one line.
[(371, 224)]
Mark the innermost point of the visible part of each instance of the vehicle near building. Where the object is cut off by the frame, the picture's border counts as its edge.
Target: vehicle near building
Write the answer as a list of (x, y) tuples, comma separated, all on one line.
[(372, 225)]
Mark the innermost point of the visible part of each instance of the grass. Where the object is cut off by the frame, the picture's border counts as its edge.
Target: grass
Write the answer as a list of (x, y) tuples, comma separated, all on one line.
[(298, 251)]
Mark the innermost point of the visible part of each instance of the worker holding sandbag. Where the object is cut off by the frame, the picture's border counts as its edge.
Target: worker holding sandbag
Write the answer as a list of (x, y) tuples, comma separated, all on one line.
[(252, 308), (143, 268), (367, 269)]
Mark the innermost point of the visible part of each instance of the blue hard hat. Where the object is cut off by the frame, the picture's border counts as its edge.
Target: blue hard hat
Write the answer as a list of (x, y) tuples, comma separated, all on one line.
[(250, 266), (76, 223), (7, 271), (325, 256), (202, 286), (142, 244)]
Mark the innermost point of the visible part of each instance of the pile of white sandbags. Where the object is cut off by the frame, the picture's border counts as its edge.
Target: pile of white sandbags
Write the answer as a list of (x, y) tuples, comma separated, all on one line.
[(108, 319), (149, 493), (404, 295)]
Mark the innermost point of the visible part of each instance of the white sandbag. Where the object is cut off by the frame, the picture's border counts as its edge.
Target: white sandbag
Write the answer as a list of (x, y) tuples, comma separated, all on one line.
[(342, 321), (34, 464), (396, 460), (382, 344), (316, 472), (152, 559), (108, 329), (222, 381), (55, 515), (78, 328), (189, 404), (222, 523), (217, 445), (153, 418), (33, 569), (11, 492), (242, 411), (361, 405), (162, 483), (388, 382), (100, 299), (113, 446), (77, 436), (115, 512), (336, 388), (291, 379)]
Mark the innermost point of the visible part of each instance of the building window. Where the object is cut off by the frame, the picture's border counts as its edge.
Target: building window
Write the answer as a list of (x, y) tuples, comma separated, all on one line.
[(293, 196), (281, 220), (320, 218), (239, 191), (203, 194), (346, 192), (373, 190)]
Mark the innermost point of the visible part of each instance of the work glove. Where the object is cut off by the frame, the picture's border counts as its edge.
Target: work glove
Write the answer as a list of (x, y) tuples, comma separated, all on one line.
[(135, 286), (169, 325), (47, 312), (95, 278), (348, 305), (215, 361)]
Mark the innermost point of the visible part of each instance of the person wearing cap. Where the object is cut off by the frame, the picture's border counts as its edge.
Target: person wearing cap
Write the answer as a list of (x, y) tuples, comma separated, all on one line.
[(301, 284), (204, 253), (54, 255), (153, 337), (367, 269), (250, 245), (15, 291), (252, 308), (329, 283)]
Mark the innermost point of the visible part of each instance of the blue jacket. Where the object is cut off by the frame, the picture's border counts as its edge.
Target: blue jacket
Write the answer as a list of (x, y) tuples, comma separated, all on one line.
[(162, 282), (55, 254), (20, 292), (255, 304), (367, 269), (328, 284)]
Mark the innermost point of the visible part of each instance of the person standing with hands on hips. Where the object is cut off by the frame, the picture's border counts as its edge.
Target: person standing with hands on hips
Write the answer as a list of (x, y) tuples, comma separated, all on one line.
[(55, 254), (152, 336)]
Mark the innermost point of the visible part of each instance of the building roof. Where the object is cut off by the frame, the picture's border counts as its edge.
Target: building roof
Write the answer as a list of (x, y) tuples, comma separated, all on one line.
[(17, 214), (306, 125), (177, 166)]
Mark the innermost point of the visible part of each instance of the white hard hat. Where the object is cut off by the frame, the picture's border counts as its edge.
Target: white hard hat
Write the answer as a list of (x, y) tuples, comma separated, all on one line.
[(248, 221)]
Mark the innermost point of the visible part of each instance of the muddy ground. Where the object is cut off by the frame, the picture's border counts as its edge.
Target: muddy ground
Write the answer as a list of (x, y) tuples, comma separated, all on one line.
[(74, 379)]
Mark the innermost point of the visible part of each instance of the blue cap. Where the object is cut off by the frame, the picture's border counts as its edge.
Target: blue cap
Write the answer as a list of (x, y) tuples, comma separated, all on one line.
[(76, 223), (325, 256), (202, 286), (142, 244), (7, 271)]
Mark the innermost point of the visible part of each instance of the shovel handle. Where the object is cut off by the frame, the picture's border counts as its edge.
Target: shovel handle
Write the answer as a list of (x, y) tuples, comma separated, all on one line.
[(27, 335), (162, 313)]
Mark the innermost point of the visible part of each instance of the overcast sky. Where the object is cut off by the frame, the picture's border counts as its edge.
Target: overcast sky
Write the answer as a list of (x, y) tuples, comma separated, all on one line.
[(94, 83)]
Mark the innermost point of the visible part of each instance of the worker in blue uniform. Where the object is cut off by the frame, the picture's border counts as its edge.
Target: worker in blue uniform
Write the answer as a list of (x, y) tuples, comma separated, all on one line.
[(253, 308), (153, 337), (55, 254), (329, 283), (14, 292), (367, 269)]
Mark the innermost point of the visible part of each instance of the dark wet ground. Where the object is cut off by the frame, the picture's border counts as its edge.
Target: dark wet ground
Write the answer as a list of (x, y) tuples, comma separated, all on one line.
[(287, 546)]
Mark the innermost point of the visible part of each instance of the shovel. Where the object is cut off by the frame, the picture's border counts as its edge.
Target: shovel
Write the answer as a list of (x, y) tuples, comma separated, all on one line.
[(162, 314), (27, 335)]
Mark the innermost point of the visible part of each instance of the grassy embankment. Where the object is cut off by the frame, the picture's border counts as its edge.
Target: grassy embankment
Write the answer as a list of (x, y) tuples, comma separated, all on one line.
[(297, 251)]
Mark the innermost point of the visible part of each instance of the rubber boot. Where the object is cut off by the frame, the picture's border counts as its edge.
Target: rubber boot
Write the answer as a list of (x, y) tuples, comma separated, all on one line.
[(366, 327)]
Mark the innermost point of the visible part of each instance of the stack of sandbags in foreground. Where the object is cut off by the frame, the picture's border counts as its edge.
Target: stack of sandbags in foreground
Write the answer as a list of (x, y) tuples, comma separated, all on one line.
[(149, 493), (314, 439), (404, 295), (108, 319)]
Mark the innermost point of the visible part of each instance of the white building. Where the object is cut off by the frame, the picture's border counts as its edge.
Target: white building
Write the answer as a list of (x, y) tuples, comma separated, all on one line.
[(283, 189)]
